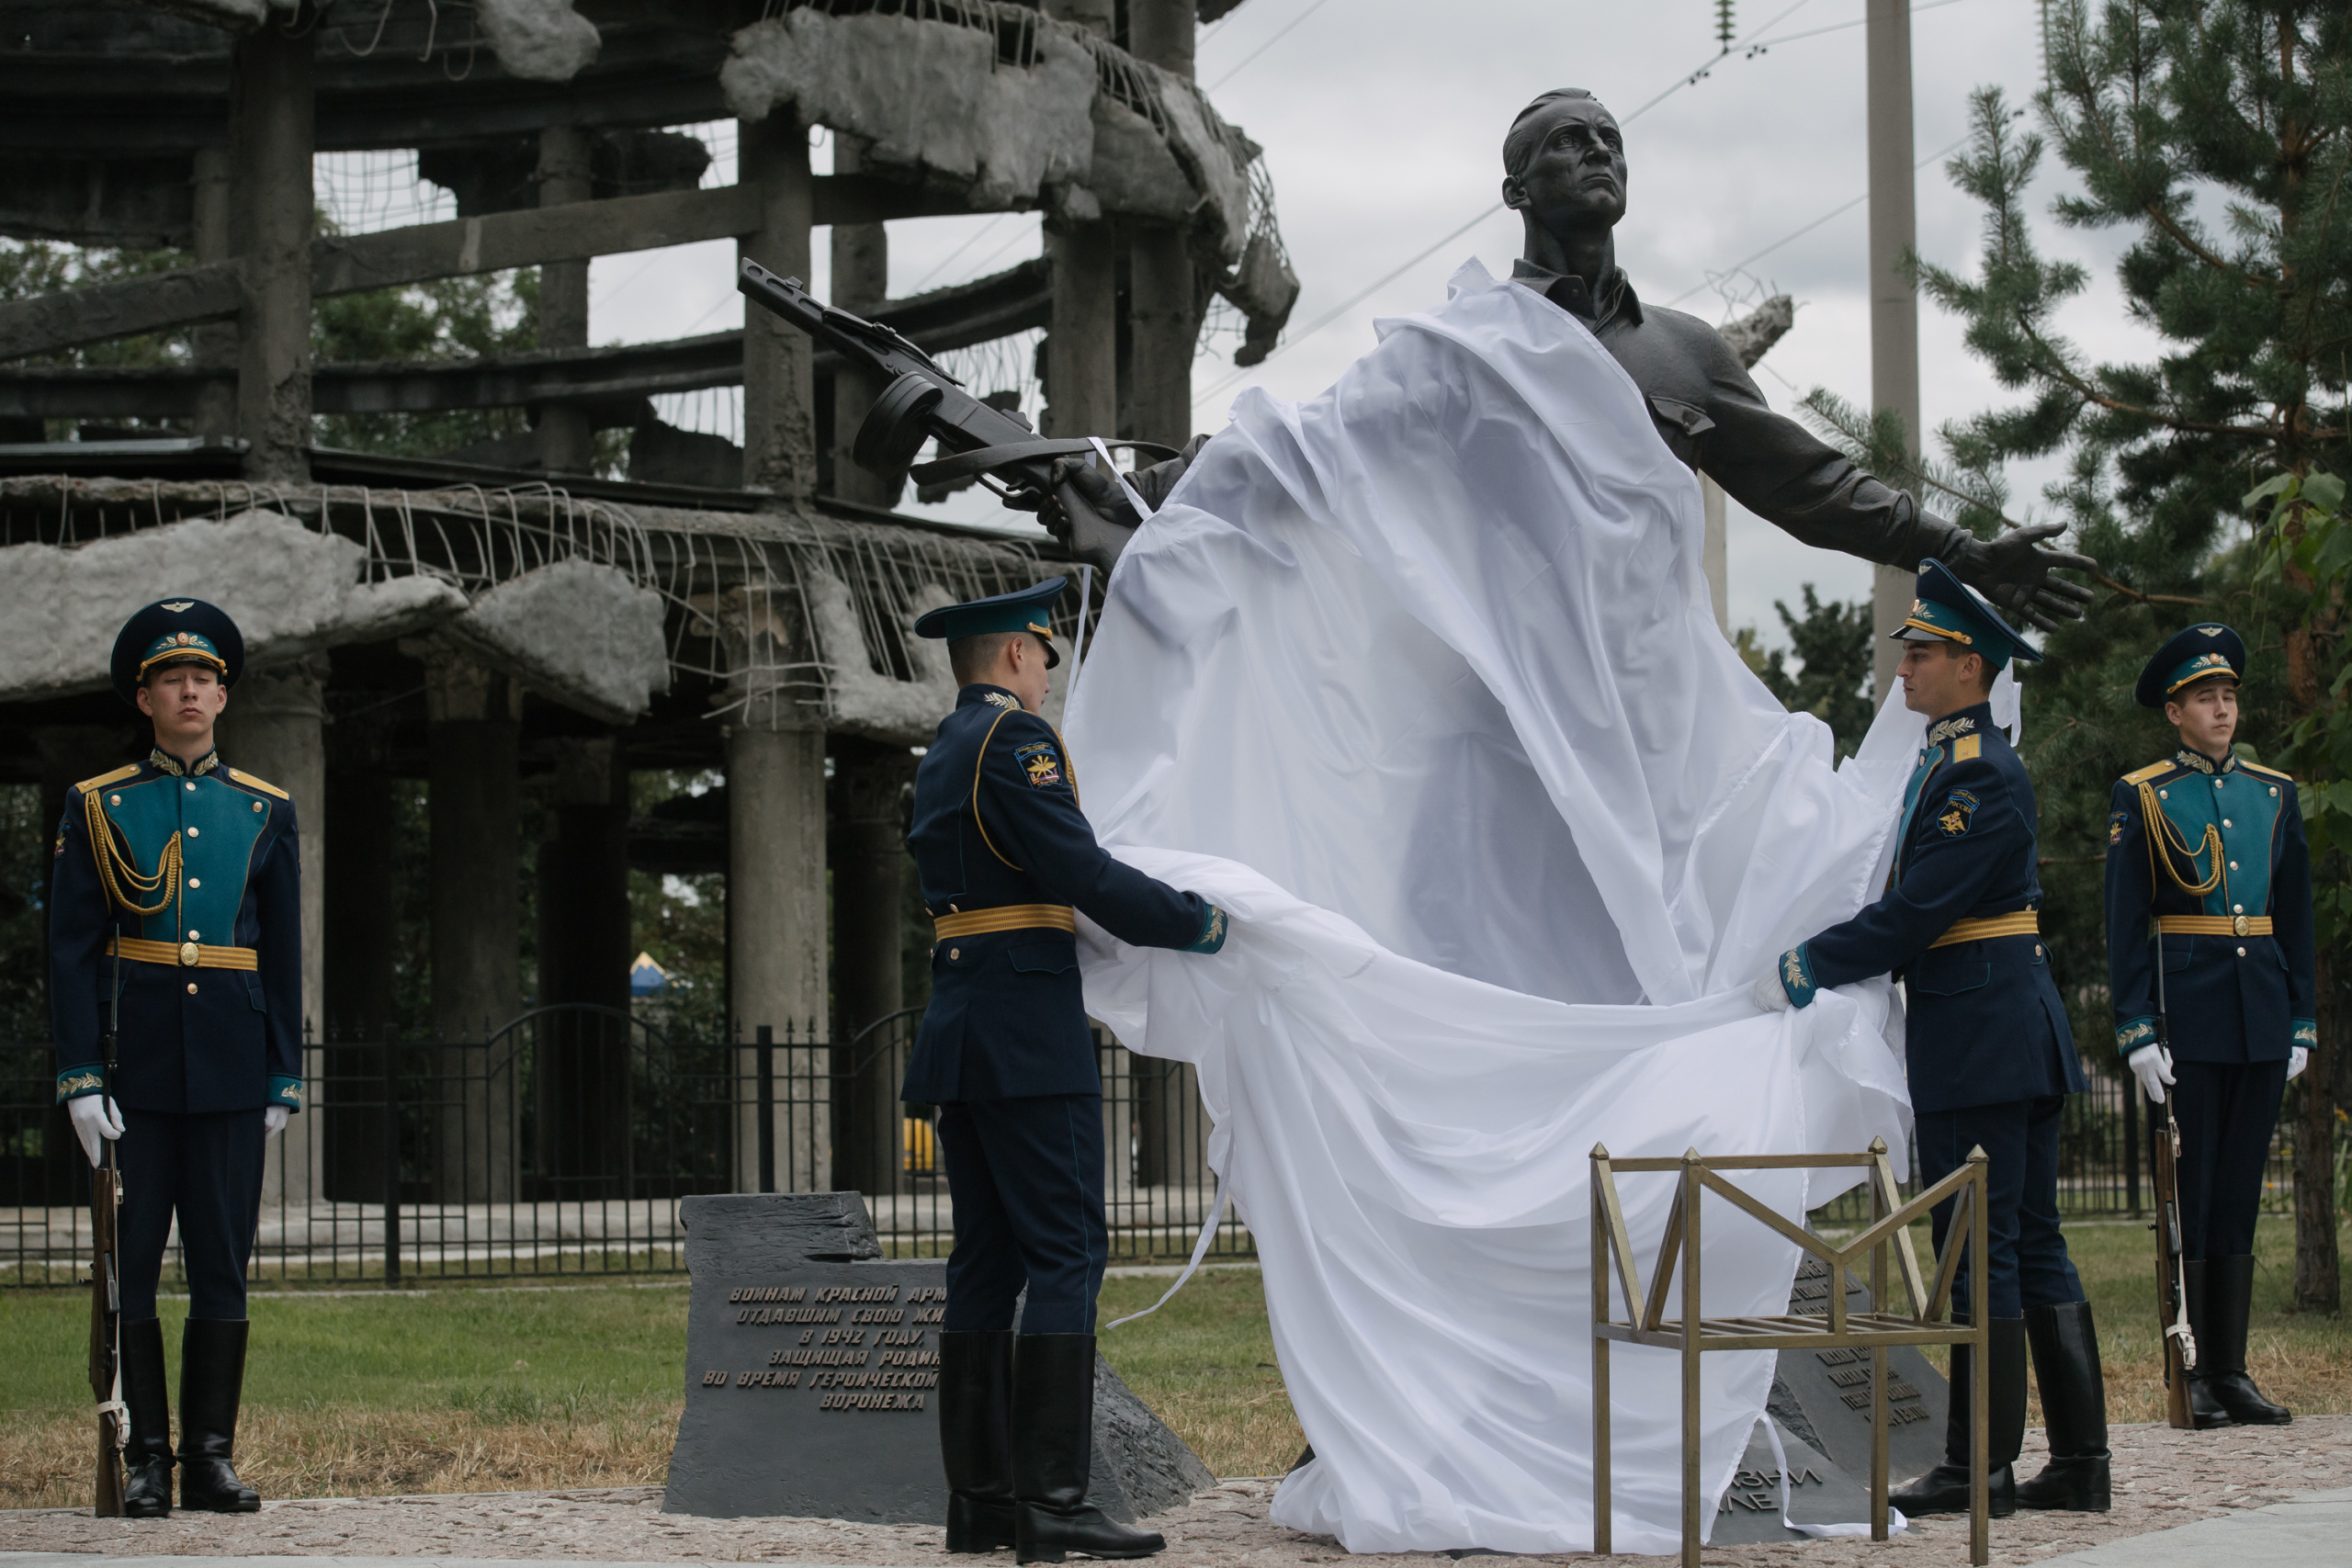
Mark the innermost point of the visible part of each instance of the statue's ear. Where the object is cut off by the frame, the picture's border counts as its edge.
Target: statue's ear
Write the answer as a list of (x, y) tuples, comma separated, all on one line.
[(1514, 193)]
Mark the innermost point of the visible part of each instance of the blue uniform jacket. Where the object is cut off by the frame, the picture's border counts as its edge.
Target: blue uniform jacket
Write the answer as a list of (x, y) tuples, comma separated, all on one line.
[(2229, 997), (211, 853), (997, 823), (1985, 1022)]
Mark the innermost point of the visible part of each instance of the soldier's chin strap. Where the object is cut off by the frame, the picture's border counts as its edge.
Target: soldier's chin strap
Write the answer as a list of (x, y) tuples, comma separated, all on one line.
[(1200, 1251)]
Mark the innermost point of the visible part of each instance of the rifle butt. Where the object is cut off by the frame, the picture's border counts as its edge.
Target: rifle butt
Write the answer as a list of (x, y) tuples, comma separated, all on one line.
[(108, 1494)]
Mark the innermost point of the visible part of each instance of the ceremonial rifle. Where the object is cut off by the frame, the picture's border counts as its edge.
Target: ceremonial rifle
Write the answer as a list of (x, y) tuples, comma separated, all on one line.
[(921, 402), (2172, 1280), (106, 1281)]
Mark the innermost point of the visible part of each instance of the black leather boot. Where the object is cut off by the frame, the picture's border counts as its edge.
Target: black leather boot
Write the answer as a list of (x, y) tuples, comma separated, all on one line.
[(1944, 1490), (976, 1437), (212, 1376), (2073, 1411), (2220, 1361), (1053, 1447), (2205, 1410), (146, 1392)]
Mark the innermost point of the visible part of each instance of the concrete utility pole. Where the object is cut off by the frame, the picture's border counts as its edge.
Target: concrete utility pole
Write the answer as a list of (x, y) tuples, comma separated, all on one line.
[(860, 283), (271, 99), (1894, 303), (1162, 324), (779, 371), (1081, 340), (566, 443)]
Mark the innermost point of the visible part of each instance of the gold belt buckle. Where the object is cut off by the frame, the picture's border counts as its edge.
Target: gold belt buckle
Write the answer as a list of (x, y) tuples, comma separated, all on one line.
[(2239, 925), (188, 955)]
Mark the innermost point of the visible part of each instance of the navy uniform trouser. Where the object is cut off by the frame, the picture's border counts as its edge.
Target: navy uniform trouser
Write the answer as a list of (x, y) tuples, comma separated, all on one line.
[(1026, 1178), (2226, 1111), (206, 1169), (2029, 1266)]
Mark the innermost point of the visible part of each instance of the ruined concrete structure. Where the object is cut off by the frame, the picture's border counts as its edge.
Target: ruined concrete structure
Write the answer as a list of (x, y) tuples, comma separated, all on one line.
[(501, 619)]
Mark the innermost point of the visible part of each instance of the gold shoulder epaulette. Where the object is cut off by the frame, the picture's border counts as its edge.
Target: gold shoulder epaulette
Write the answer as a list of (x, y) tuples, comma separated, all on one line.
[(251, 783), (2246, 767), (105, 779), (2150, 771)]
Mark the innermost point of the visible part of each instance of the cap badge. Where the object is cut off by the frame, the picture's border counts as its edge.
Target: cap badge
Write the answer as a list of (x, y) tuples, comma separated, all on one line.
[(180, 607)]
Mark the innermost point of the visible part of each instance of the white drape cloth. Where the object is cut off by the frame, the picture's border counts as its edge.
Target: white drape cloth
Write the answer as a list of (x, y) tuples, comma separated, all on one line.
[(1420, 682)]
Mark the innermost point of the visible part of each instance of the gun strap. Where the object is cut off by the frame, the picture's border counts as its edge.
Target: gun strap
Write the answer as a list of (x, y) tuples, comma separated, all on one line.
[(981, 459)]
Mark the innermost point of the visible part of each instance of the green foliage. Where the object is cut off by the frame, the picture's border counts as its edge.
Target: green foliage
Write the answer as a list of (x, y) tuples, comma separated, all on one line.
[(682, 923), (1832, 643), (449, 318)]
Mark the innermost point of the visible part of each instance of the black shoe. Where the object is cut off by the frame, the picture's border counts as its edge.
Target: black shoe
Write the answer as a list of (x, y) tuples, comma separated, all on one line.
[(1053, 1445), (2206, 1411), (2073, 1410), (1944, 1489), (212, 1376), (146, 1391), (2221, 1360), (976, 1437)]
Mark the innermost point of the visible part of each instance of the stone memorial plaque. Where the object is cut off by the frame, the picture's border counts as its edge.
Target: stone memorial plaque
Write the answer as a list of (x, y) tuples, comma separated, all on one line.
[(1823, 1397), (1820, 1493), (812, 1377)]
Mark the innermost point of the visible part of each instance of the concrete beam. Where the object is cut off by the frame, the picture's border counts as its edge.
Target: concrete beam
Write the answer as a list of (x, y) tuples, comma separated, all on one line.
[(352, 264), (989, 307), (271, 93)]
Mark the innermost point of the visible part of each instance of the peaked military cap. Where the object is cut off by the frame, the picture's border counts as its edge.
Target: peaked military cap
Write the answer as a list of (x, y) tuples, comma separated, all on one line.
[(2191, 655), (1945, 609), (1030, 610), (175, 631)]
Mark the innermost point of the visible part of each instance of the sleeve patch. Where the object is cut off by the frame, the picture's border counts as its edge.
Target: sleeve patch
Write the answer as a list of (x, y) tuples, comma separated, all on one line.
[(2133, 1033), (1040, 764), (2306, 1033), (1957, 811), (2118, 824), (60, 845)]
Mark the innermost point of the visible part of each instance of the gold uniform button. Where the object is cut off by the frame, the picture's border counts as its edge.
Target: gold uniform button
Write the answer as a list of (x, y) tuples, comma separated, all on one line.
[(188, 955), (114, 800), (2233, 865), (194, 882), (191, 988), (954, 952), (189, 787), (2226, 822), (2274, 789), (2037, 950), (193, 832), (192, 936), (954, 910), (2164, 795), (2241, 955)]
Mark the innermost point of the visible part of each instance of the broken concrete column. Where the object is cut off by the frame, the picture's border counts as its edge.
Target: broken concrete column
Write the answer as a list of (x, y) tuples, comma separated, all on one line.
[(273, 729), (860, 282), (1163, 317), (581, 1075), (473, 725), (776, 905), (1082, 339), (271, 98), (871, 780), (566, 442), (779, 386), (214, 344)]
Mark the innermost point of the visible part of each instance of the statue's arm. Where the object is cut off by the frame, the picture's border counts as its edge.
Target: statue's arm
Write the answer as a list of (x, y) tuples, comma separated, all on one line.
[(1785, 474)]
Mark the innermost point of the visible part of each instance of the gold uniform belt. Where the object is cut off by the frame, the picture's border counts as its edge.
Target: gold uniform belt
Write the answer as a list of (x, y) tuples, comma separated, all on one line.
[(185, 954), (2025, 922), (1007, 918), (2213, 925)]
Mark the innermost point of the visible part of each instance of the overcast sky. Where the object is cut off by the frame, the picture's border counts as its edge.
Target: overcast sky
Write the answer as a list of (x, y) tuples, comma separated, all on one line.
[(1383, 121)]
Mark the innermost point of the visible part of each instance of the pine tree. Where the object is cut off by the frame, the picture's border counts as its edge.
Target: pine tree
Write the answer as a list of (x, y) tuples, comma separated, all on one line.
[(2219, 136)]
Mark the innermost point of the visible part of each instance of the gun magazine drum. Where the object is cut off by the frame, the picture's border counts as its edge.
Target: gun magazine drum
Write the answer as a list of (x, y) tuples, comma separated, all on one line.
[(898, 425)]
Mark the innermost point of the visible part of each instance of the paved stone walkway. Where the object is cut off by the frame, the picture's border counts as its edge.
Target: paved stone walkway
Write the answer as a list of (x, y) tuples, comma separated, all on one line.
[(2234, 1490)]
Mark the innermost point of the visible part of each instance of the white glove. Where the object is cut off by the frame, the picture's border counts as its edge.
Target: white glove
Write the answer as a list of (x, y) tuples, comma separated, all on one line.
[(96, 1123), (273, 1121), (2298, 1058), (2151, 1065), (1769, 994)]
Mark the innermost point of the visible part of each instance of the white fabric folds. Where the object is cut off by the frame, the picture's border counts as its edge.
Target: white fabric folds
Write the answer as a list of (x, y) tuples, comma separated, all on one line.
[(1419, 681)]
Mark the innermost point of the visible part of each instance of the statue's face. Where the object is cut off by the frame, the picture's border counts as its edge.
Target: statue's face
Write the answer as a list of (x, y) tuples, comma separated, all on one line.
[(1576, 177)]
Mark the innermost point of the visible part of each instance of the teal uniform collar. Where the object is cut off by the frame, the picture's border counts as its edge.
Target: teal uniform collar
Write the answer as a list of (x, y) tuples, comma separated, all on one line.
[(2196, 762), (162, 762)]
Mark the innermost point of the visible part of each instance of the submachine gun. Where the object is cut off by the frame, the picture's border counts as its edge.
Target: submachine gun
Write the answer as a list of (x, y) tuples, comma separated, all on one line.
[(922, 402), (106, 1288), (2172, 1282)]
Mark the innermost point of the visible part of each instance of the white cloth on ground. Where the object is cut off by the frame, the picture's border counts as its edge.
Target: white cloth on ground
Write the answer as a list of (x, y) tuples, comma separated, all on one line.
[(1418, 680)]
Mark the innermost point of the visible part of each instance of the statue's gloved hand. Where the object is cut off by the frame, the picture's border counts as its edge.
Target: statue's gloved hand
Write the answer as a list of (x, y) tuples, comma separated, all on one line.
[(2151, 1065), (273, 1121), (1095, 488), (2013, 572), (96, 1123), (2298, 1059)]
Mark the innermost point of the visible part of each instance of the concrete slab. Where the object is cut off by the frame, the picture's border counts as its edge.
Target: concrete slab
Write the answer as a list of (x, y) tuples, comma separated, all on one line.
[(2308, 1531)]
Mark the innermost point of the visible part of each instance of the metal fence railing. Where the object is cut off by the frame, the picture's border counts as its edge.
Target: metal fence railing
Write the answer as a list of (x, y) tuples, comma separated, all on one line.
[(562, 1143), (2104, 1168)]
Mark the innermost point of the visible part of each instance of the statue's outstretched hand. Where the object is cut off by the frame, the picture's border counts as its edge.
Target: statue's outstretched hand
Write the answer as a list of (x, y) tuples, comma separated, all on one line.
[(1093, 487), (2013, 572)]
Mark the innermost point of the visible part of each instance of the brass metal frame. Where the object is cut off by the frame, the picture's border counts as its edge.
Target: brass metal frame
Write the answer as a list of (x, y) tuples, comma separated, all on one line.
[(1691, 1335)]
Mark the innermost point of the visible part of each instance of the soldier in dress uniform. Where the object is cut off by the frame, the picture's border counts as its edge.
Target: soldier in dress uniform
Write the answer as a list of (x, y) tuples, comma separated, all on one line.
[(2209, 851), (1003, 853), (1989, 1052), (177, 899)]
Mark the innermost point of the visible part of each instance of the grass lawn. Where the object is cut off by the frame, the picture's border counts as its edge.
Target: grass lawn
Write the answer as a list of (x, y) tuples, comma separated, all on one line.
[(454, 1390)]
